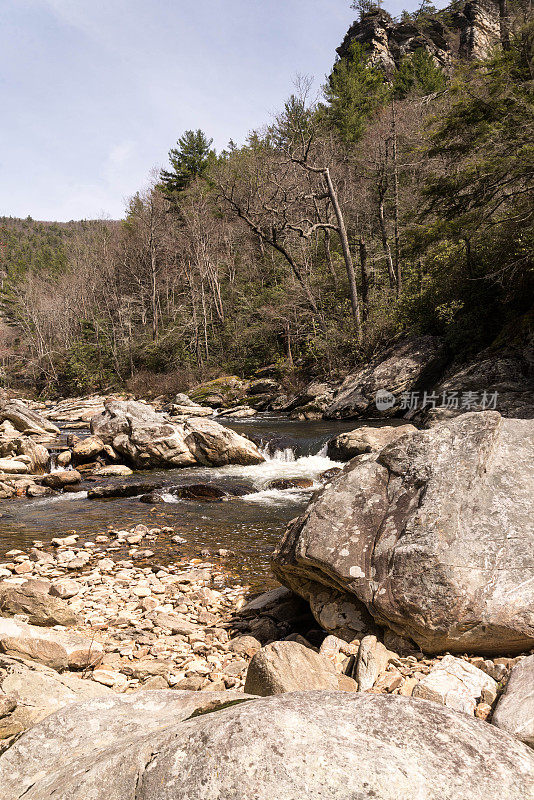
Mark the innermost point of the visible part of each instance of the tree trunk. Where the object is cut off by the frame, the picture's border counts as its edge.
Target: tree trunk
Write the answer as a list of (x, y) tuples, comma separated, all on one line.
[(363, 272), (353, 289)]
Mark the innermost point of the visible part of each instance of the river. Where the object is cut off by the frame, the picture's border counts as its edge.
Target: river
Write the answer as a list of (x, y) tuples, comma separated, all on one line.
[(249, 526)]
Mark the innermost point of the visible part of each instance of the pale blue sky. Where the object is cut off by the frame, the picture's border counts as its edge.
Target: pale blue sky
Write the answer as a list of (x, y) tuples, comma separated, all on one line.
[(95, 92)]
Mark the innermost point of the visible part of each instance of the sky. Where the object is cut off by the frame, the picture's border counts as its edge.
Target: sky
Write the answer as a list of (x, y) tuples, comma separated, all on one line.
[(95, 92)]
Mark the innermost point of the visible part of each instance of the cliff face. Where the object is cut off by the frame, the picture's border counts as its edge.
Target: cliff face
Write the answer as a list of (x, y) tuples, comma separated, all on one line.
[(469, 33)]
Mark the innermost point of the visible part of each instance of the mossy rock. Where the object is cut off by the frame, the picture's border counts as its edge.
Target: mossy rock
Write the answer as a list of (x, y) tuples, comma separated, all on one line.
[(229, 389)]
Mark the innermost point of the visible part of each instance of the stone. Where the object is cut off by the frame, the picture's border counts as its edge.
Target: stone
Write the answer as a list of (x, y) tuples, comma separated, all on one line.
[(87, 449), (122, 489), (33, 599), (291, 483), (13, 466), (162, 744), (53, 648), (366, 439), (455, 683), (173, 622), (515, 710), (25, 419), (288, 667), (401, 368), (62, 478), (244, 646), (214, 445), (65, 589), (37, 691), (373, 659), (114, 471), (433, 537)]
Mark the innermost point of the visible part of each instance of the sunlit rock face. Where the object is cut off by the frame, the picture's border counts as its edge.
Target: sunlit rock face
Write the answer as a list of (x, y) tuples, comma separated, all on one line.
[(469, 33)]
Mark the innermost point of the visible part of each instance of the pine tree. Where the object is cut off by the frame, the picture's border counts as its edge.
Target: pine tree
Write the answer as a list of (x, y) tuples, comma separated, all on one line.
[(189, 160), (418, 75), (355, 90)]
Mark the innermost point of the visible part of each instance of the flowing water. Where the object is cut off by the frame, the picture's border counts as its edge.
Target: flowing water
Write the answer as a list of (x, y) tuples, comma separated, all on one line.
[(249, 525)]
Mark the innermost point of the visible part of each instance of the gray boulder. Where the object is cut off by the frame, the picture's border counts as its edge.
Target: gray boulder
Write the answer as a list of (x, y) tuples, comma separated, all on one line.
[(433, 536), (36, 691), (33, 598), (149, 439), (24, 419), (290, 667), (366, 439), (414, 362), (158, 745), (515, 709)]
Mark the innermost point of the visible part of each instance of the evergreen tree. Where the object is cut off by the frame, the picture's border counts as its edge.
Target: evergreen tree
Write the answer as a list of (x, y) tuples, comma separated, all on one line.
[(355, 90), (189, 160), (418, 75)]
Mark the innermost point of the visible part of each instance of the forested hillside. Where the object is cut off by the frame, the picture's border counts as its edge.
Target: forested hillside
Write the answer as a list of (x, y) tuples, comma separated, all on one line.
[(400, 201)]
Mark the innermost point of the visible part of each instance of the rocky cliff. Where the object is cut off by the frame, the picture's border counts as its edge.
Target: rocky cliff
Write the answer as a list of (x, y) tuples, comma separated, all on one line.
[(468, 33)]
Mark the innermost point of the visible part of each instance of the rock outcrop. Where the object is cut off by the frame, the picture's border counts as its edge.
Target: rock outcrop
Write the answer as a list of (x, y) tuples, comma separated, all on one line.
[(161, 744), (148, 439), (433, 537), (366, 439), (32, 598), (25, 419), (471, 32), (405, 366)]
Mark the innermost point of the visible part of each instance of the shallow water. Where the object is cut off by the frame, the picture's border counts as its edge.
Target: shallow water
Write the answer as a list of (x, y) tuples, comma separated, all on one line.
[(250, 525)]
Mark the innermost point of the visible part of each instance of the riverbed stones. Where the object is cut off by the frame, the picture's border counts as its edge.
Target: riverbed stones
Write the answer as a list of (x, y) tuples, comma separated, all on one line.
[(87, 449), (373, 658), (366, 439), (32, 598), (162, 744), (457, 684), (53, 648), (515, 710), (433, 536)]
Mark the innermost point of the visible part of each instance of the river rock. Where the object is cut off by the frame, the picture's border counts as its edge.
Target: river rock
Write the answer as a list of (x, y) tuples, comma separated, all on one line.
[(373, 658), (25, 419), (291, 667), (53, 648), (433, 536), (62, 478), (32, 598), (114, 471), (457, 684), (160, 744), (366, 439), (403, 367), (87, 449), (214, 445), (515, 710), (291, 483), (38, 691), (13, 466), (149, 439)]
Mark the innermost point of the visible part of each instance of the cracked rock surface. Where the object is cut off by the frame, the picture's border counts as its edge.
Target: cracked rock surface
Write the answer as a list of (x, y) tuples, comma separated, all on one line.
[(433, 536), (158, 745)]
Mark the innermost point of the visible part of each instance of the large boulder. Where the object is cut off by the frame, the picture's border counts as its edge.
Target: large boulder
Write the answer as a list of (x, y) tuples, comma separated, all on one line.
[(157, 745), (214, 445), (366, 439), (56, 649), (37, 691), (515, 709), (25, 419), (433, 536), (32, 598), (149, 439), (414, 362)]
